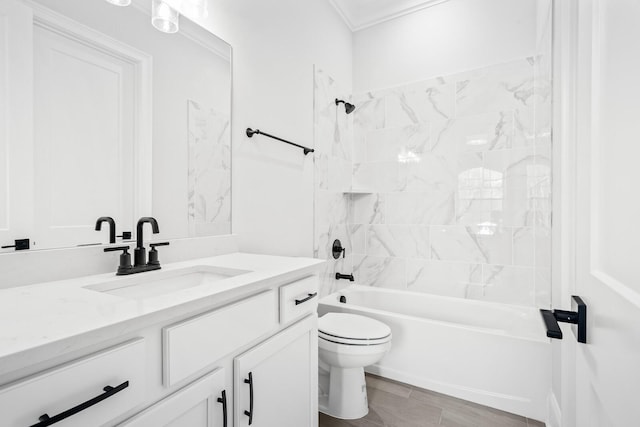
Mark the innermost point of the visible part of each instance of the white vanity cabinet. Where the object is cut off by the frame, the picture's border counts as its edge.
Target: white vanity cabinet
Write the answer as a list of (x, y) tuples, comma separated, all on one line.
[(276, 381), (203, 403), (187, 370)]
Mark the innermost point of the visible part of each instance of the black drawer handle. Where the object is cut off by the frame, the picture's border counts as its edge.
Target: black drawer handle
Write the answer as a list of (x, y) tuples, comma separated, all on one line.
[(249, 413), (223, 400), (311, 296), (46, 420)]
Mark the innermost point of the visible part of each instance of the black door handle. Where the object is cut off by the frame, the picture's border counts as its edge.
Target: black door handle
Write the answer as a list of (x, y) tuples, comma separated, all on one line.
[(311, 296), (249, 413), (223, 400), (46, 420), (577, 317)]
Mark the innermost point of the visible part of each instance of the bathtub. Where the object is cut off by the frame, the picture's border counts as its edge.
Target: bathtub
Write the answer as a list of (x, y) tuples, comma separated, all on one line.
[(492, 354)]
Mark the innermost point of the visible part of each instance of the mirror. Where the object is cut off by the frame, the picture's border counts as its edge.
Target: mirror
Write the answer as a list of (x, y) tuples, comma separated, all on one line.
[(106, 116)]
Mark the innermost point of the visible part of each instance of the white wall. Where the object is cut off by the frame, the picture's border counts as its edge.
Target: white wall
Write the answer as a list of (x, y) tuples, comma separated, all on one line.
[(275, 44), (447, 38)]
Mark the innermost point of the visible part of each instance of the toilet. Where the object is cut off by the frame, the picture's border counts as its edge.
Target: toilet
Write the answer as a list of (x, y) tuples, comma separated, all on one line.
[(346, 344)]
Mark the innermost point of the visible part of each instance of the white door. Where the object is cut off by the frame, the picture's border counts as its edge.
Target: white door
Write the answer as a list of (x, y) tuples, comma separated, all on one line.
[(16, 135), (203, 403), (608, 213), (84, 138), (276, 381)]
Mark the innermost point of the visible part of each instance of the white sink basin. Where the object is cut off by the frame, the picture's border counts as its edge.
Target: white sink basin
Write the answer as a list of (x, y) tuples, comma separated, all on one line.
[(155, 283)]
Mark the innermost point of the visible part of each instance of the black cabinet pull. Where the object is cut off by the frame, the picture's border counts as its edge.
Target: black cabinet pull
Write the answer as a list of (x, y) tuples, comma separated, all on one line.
[(223, 400), (249, 413), (46, 420), (311, 296)]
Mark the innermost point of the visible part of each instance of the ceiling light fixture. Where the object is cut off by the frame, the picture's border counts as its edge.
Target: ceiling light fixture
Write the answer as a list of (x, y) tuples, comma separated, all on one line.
[(164, 17), (119, 2)]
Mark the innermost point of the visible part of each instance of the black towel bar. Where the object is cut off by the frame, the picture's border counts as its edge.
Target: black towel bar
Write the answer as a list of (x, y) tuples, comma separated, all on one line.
[(251, 132)]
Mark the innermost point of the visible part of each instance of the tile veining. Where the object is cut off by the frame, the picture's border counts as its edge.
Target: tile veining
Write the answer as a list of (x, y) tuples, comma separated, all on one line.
[(458, 167)]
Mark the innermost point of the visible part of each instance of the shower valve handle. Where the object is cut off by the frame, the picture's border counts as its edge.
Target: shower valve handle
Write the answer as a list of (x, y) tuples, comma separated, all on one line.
[(337, 249)]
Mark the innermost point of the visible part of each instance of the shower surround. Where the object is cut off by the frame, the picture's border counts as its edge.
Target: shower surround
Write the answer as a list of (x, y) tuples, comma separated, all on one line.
[(450, 191), (459, 175)]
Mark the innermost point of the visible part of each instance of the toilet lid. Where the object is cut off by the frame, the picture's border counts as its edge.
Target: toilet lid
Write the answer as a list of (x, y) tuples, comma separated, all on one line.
[(352, 327)]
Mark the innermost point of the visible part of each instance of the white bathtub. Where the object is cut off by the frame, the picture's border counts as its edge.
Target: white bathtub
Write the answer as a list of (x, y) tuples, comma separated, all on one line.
[(488, 353)]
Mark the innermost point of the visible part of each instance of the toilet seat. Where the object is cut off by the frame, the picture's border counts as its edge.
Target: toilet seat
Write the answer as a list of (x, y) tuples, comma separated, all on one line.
[(353, 342), (352, 330)]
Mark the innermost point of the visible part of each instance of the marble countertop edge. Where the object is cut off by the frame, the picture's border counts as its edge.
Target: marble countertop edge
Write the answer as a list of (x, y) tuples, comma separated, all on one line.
[(45, 320)]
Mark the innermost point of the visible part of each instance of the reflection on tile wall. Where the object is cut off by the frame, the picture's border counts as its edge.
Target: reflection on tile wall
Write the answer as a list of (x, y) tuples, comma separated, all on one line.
[(333, 143), (459, 173), (209, 172)]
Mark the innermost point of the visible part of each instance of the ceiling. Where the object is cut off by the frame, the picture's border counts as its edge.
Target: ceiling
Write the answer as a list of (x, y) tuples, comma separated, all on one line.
[(359, 14)]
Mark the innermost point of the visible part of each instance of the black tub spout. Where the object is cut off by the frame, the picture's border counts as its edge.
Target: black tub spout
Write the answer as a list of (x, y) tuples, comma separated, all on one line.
[(348, 277)]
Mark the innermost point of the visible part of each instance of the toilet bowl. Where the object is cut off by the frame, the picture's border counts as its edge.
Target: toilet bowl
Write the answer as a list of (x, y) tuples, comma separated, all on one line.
[(346, 344)]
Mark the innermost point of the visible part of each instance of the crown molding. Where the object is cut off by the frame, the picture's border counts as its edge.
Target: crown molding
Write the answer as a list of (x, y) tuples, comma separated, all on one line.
[(356, 23)]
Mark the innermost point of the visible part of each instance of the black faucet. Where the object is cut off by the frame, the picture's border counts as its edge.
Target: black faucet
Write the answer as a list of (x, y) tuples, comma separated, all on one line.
[(112, 227), (139, 254), (348, 277)]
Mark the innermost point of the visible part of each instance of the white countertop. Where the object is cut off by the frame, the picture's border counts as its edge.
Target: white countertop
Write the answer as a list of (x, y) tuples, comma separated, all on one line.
[(49, 319)]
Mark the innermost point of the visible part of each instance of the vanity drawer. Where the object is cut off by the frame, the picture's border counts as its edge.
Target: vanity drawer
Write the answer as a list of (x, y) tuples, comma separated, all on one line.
[(57, 391), (298, 299), (196, 343)]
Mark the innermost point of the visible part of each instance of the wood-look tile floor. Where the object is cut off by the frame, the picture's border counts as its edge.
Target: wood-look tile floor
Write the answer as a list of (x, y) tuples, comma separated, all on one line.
[(393, 404)]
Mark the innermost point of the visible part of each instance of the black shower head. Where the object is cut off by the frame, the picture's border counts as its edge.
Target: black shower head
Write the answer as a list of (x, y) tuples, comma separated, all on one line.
[(348, 108)]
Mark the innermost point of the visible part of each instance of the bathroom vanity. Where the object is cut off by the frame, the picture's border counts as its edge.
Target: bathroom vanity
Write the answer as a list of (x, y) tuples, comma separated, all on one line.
[(222, 341)]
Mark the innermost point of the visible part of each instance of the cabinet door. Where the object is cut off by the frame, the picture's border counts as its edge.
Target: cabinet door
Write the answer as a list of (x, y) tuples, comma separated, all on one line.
[(276, 382), (200, 404)]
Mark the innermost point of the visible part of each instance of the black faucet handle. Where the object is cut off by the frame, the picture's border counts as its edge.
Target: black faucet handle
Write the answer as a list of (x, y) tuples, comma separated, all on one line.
[(125, 258), (117, 248), (337, 249), (153, 245), (153, 253)]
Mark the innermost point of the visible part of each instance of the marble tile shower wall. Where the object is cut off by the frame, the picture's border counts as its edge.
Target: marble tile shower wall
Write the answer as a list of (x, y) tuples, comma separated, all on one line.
[(333, 142), (459, 175)]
